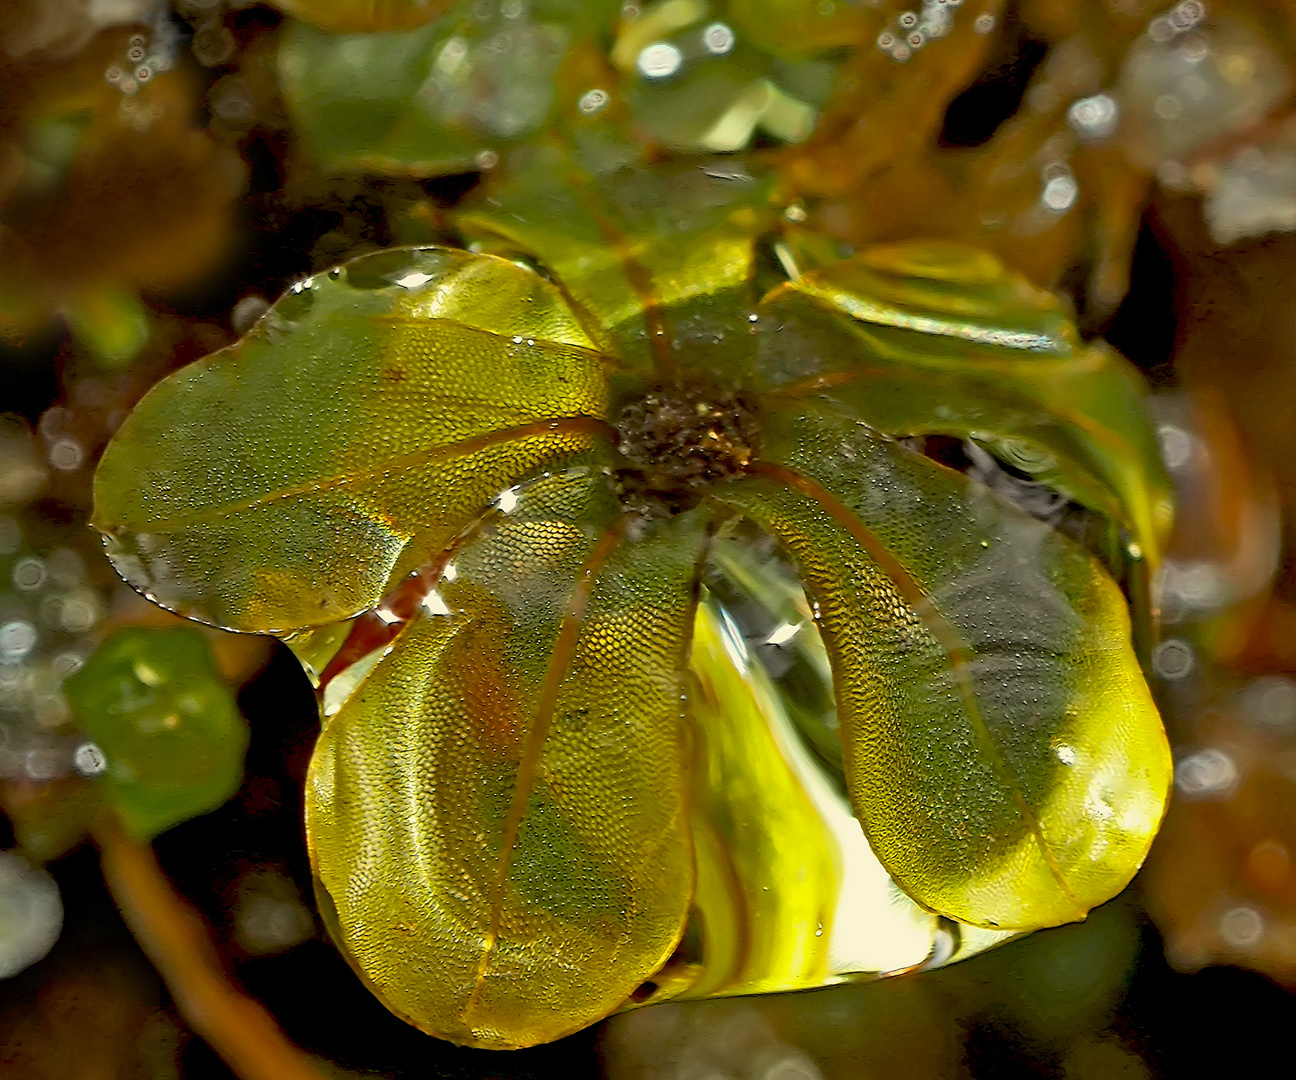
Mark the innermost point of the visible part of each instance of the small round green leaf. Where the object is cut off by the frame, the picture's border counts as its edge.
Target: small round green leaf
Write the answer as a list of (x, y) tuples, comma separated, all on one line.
[(172, 737)]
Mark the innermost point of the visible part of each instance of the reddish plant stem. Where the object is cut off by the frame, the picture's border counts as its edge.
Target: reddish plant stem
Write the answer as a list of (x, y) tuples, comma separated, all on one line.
[(177, 941)]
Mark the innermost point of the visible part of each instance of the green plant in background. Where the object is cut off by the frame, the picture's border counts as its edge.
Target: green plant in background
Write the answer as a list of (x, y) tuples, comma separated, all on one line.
[(479, 493), (168, 737)]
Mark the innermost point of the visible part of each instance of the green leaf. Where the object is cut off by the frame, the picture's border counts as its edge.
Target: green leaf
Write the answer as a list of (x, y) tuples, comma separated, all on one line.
[(496, 807), (431, 101), (369, 416), (942, 339), (1002, 750), (500, 809), (155, 704), (629, 242), (694, 85)]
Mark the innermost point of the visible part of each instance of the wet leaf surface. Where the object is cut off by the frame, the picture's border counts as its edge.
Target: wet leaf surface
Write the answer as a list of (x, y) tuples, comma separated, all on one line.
[(428, 438)]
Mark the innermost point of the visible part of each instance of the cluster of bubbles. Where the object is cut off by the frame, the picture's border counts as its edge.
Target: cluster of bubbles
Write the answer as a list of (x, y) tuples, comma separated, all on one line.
[(1186, 83), (146, 55), (50, 607), (911, 30), (1262, 721), (663, 59)]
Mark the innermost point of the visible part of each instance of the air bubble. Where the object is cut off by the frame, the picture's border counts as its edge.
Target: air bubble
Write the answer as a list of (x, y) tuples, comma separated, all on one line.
[(1207, 774), (1173, 659), (66, 455), (89, 760), (28, 574), (1060, 193), (659, 60), (1241, 927), (17, 639), (1095, 117), (592, 101), (718, 39)]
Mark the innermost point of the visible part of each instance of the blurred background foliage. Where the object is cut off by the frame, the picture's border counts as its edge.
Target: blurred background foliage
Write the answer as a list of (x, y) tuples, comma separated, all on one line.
[(166, 169)]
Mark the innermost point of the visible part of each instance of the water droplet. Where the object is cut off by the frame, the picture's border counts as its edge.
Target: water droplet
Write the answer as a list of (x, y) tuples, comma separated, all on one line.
[(89, 760), (1241, 927), (660, 60), (1177, 446), (28, 574), (1207, 774), (66, 455), (1094, 118), (1173, 659), (592, 101), (718, 39), (1060, 193), (1271, 700), (17, 639), (246, 312)]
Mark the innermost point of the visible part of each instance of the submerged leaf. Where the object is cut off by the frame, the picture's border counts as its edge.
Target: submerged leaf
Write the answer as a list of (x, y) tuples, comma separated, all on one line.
[(629, 244), (1002, 750), (512, 470), (513, 766), (941, 339), (287, 481)]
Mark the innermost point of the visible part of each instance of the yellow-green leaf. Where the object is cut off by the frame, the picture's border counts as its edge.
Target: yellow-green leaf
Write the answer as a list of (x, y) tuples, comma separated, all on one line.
[(936, 338), (372, 413), (1003, 753), (630, 243), (496, 809)]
